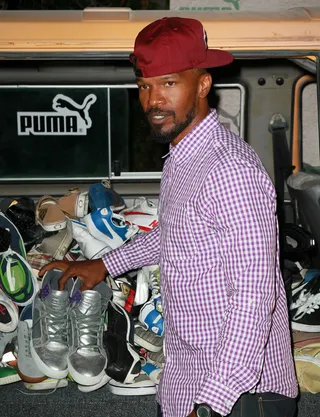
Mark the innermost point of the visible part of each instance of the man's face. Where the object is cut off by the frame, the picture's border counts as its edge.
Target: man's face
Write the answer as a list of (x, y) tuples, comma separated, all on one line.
[(170, 104)]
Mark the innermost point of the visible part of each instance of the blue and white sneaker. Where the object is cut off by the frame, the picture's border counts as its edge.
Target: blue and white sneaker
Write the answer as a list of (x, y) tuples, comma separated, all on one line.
[(151, 319), (152, 370), (102, 195), (91, 247), (109, 227)]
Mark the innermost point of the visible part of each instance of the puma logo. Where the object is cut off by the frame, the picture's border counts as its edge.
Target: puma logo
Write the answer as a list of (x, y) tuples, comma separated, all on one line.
[(68, 118), (65, 105)]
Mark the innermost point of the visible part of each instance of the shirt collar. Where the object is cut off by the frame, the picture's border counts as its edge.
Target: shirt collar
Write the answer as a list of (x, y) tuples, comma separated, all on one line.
[(195, 139)]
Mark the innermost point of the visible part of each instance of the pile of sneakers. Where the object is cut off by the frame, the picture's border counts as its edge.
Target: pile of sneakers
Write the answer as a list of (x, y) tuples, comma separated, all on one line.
[(111, 335), (304, 310)]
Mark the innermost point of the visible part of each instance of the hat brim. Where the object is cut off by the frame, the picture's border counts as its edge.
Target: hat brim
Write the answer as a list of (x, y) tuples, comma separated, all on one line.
[(216, 58)]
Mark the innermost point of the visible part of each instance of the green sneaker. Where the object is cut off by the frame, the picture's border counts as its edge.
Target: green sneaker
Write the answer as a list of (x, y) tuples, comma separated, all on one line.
[(8, 374), (16, 278)]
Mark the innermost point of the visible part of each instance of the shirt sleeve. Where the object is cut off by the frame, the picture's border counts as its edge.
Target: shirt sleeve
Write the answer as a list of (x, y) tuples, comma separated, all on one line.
[(242, 207), (142, 250)]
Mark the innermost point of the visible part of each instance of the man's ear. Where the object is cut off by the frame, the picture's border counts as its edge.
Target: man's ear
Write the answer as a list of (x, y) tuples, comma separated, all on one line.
[(204, 86)]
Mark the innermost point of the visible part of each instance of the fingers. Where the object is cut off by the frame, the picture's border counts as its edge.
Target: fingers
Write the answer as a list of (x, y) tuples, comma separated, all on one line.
[(85, 286), (69, 273), (62, 265)]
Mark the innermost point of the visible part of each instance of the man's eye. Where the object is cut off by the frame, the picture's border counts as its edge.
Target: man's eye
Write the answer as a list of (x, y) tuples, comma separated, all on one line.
[(170, 83), (143, 87)]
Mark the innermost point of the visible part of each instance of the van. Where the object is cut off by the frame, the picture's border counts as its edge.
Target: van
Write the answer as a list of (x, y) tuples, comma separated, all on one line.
[(70, 117)]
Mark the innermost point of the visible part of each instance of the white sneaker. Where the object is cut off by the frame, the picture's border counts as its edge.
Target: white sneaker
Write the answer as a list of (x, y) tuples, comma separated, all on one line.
[(142, 288), (109, 227), (26, 366), (146, 339), (153, 371), (141, 206), (120, 287), (9, 313), (91, 247), (142, 385), (151, 319), (143, 214)]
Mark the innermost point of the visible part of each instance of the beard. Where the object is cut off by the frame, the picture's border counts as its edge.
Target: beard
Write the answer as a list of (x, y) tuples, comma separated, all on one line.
[(168, 136)]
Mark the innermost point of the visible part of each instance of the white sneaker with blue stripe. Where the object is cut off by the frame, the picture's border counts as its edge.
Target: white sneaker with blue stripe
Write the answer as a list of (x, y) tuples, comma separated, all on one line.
[(152, 370), (109, 227), (151, 318)]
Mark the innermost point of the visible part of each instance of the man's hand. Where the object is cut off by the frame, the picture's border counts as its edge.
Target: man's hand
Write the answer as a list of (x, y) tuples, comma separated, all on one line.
[(91, 273), (192, 414)]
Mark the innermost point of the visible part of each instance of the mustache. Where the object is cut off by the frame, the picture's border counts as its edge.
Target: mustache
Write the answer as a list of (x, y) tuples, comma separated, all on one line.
[(155, 111)]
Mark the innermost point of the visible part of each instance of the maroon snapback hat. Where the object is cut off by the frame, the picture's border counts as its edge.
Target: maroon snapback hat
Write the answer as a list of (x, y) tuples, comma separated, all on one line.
[(174, 44)]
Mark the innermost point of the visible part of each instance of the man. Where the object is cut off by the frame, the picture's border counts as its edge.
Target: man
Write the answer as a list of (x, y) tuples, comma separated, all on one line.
[(227, 335)]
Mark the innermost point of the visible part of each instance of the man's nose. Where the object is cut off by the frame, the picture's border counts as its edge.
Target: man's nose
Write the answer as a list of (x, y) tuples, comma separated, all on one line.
[(156, 97)]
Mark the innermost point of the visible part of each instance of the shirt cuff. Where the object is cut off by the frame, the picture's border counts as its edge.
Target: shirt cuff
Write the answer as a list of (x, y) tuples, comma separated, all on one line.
[(116, 262), (219, 396)]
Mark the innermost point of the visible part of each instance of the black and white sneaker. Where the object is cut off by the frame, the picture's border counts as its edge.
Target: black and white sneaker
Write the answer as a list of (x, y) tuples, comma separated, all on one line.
[(305, 306), (123, 360)]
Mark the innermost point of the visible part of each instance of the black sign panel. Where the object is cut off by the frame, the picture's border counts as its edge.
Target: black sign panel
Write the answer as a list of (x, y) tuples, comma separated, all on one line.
[(53, 132)]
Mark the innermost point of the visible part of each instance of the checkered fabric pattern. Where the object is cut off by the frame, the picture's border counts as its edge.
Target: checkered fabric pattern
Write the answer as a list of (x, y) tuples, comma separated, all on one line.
[(38, 260), (225, 309)]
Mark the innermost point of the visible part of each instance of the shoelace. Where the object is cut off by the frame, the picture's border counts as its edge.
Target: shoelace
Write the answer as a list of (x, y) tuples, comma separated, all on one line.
[(91, 327), (301, 300), (311, 304), (56, 322)]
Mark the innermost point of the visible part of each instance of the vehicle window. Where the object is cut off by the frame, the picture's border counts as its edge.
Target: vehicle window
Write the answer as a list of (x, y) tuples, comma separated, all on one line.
[(83, 132), (53, 132), (131, 145)]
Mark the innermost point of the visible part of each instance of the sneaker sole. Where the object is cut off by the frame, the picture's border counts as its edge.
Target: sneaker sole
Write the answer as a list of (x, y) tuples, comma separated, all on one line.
[(44, 368), (10, 379), (132, 391), (141, 342), (305, 327), (47, 384), (84, 388)]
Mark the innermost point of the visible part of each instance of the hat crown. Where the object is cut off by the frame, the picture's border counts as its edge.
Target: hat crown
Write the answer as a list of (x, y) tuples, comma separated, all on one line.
[(170, 45)]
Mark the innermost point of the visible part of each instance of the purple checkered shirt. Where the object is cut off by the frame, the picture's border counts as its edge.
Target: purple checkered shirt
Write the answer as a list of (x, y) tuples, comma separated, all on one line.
[(225, 309)]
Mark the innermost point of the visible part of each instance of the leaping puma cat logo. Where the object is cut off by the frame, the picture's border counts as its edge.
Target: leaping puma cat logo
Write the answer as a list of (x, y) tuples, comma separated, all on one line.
[(69, 118), (65, 105)]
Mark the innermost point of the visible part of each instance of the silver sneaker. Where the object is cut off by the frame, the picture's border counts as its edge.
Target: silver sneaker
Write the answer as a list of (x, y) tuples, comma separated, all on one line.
[(49, 346), (87, 358)]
